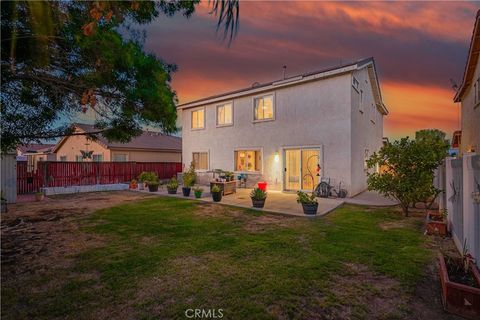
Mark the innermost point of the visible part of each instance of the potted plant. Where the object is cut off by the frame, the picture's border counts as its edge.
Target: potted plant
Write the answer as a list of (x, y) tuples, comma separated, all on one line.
[(460, 282), (309, 202), (437, 223), (258, 197), (188, 180), (142, 178), (133, 184), (152, 182), (4, 207), (198, 192), (39, 196), (216, 193), (172, 186)]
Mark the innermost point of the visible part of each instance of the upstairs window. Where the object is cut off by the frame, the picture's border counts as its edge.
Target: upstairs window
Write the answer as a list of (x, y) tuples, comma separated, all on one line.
[(361, 101), (97, 158), (263, 108), (63, 158), (355, 83), (198, 119), (200, 160), (224, 114)]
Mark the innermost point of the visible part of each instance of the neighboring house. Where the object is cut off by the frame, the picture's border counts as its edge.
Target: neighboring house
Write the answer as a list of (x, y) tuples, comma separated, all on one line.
[(469, 95), (148, 147), (281, 131), (33, 153)]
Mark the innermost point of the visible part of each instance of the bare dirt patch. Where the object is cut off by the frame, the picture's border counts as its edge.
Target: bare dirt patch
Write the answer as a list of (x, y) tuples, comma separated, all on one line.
[(250, 222), (38, 236)]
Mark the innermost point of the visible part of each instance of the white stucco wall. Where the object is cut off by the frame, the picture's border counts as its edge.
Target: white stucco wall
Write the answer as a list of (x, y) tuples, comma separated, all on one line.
[(471, 117), (316, 114), (367, 130)]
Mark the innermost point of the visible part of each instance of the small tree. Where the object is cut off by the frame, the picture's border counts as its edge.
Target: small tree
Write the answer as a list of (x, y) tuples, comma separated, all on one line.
[(407, 170)]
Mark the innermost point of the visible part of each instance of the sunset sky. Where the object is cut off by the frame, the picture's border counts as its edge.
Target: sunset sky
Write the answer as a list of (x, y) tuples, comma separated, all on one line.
[(418, 48)]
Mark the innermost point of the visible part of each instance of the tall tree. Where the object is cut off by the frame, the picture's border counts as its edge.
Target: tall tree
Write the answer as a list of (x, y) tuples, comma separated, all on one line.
[(61, 58)]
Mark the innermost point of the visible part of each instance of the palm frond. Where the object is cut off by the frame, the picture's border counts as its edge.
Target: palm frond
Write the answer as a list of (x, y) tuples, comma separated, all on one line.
[(227, 12)]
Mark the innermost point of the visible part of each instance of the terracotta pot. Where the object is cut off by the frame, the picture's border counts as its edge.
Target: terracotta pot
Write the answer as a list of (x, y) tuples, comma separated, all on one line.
[(437, 227), (458, 298)]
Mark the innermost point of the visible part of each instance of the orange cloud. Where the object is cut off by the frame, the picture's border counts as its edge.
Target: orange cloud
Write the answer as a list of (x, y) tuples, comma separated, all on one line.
[(414, 107)]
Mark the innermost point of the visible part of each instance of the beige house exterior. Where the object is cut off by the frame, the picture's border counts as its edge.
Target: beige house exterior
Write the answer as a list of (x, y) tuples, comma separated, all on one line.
[(148, 147), (281, 132), (469, 96)]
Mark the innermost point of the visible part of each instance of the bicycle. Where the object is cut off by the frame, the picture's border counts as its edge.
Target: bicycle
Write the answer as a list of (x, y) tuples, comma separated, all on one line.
[(324, 189)]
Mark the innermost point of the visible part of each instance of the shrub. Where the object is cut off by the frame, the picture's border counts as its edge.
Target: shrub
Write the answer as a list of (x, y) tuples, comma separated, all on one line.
[(172, 184), (215, 189), (189, 176), (258, 194), (304, 198)]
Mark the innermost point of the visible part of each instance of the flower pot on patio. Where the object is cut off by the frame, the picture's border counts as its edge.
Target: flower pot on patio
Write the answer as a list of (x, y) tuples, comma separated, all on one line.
[(39, 196), (310, 208), (172, 190), (460, 298), (186, 191), (153, 187), (217, 196), (258, 197)]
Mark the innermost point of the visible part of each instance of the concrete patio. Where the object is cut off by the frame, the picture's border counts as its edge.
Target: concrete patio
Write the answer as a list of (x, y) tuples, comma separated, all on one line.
[(277, 202)]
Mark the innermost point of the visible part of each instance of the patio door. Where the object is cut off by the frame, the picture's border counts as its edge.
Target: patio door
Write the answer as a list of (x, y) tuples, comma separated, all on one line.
[(301, 168)]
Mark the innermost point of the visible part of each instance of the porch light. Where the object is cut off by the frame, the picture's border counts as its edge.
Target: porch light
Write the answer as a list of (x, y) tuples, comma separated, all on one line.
[(276, 156)]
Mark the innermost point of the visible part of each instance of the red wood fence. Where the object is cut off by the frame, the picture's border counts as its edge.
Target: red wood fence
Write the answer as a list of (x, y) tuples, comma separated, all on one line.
[(64, 174)]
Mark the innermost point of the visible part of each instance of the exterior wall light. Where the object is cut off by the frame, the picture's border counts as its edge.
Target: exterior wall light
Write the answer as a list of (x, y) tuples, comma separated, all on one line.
[(276, 156)]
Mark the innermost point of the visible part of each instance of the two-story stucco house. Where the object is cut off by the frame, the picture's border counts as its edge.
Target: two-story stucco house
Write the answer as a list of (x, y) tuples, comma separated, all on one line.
[(281, 131), (469, 95)]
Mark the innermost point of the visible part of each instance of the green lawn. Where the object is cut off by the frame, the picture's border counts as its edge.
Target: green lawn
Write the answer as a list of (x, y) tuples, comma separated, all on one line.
[(162, 256)]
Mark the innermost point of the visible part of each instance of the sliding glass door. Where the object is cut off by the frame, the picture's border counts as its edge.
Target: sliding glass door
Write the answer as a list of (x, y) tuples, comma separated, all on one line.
[(301, 168)]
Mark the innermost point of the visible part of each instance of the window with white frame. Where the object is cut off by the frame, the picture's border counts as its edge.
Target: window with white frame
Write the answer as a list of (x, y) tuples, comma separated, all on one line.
[(225, 114), (355, 83), (263, 108), (361, 101), (97, 158), (119, 157), (63, 158), (248, 160), (79, 158), (198, 119), (200, 160)]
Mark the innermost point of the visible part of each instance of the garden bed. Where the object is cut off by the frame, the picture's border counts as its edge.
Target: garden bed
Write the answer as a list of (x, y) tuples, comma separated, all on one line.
[(460, 291)]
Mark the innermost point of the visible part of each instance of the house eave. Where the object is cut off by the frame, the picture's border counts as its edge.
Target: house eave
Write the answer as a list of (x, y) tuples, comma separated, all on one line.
[(272, 86)]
